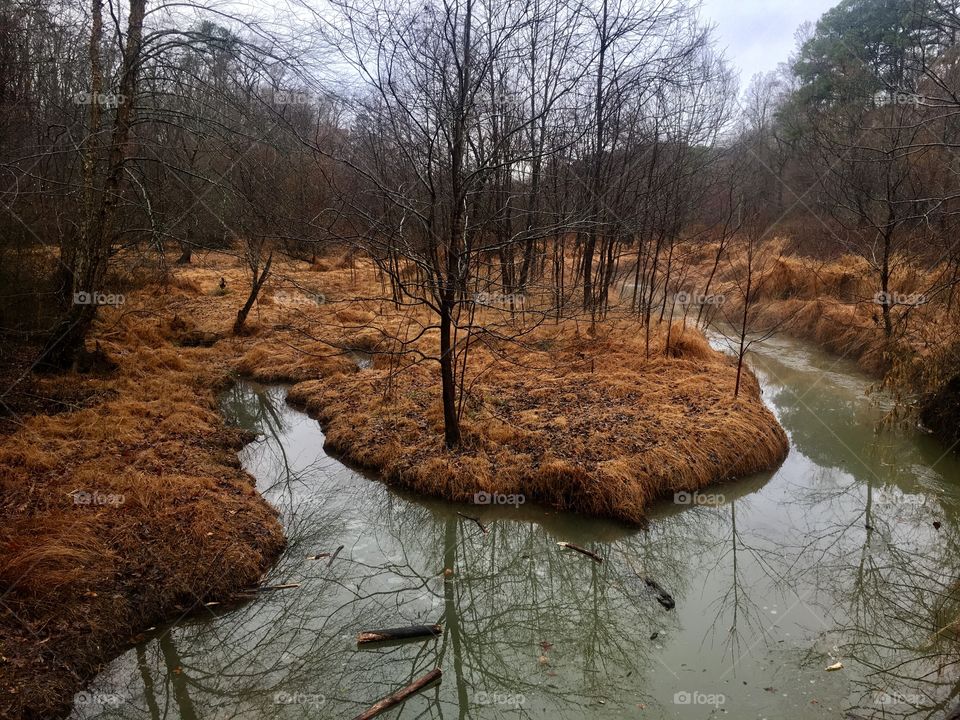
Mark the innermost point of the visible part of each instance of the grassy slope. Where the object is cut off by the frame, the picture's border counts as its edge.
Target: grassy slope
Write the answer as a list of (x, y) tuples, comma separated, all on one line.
[(833, 304)]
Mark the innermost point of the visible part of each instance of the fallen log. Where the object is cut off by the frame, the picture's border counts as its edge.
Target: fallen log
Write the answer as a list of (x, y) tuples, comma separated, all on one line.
[(476, 520), (589, 553), (401, 695), (393, 634)]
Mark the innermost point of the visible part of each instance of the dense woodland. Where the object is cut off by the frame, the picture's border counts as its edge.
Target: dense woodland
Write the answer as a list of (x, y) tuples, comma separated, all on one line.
[(567, 151)]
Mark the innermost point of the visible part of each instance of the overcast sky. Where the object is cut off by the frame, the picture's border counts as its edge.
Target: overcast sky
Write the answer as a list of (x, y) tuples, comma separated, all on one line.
[(758, 34)]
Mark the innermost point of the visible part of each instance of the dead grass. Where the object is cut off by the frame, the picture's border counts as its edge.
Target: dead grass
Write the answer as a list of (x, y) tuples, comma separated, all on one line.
[(172, 521), (572, 420), (834, 304), (588, 426), (831, 303)]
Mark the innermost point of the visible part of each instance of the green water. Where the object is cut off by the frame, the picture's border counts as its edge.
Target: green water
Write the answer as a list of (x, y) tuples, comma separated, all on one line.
[(777, 581)]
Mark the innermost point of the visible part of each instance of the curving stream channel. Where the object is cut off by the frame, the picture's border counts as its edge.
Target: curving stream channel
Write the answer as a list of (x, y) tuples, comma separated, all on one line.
[(833, 558)]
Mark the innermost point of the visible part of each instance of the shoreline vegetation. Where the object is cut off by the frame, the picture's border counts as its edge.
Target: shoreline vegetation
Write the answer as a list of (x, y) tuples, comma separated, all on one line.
[(129, 507), (482, 244), (836, 305)]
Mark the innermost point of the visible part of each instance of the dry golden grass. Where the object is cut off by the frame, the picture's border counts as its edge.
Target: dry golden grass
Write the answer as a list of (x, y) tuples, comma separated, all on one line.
[(81, 580), (834, 304), (573, 419), (830, 303), (585, 424)]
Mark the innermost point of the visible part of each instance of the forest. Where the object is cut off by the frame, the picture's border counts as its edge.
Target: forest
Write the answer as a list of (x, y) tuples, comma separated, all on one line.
[(561, 351)]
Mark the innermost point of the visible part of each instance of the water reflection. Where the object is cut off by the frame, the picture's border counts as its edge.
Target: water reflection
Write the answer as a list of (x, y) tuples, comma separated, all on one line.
[(834, 558)]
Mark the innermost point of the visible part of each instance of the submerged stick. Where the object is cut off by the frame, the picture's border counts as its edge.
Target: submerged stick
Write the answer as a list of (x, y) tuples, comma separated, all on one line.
[(663, 597), (404, 633), (655, 588), (334, 556), (400, 695), (476, 520), (589, 553)]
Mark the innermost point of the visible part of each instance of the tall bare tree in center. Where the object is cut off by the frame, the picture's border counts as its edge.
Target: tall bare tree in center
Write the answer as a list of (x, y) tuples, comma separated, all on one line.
[(446, 109)]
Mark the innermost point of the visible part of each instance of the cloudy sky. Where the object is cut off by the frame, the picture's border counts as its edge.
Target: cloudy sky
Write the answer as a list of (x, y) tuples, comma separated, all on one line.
[(758, 34)]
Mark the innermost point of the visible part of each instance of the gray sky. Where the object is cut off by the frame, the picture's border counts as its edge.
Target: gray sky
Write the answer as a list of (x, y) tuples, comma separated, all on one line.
[(758, 34)]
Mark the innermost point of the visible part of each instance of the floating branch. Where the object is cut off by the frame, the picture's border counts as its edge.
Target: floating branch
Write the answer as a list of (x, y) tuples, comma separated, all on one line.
[(401, 695), (393, 634), (663, 597), (334, 556), (583, 551), (476, 520)]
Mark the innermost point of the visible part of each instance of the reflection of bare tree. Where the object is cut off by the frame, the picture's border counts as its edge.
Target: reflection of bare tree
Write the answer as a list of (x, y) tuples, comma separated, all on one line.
[(879, 575), (881, 578), (149, 692), (524, 621), (736, 611), (521, 618), (177, 678)]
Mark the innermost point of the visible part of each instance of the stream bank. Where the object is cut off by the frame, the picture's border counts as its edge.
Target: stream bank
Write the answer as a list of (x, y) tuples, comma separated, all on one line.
[(845, 554)]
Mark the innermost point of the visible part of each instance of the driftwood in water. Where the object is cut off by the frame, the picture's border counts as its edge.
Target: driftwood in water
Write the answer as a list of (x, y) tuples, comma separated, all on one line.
[(334, 556), (589, 553), (400, 695), (655, 588), (476, 520), (394, 634), (663, 597)]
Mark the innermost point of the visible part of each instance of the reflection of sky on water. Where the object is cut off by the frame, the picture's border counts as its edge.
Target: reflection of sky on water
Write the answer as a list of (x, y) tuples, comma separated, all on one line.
[(781, 580)]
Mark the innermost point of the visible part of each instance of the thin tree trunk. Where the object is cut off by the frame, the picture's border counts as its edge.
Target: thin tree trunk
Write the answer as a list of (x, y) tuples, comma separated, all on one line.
[(90, 261)]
